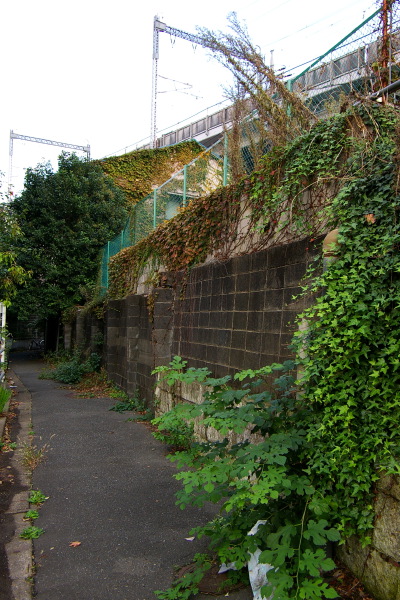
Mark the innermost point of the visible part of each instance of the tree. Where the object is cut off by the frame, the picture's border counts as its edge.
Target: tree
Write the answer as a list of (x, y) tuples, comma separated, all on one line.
[(65, 218), (12, 274)]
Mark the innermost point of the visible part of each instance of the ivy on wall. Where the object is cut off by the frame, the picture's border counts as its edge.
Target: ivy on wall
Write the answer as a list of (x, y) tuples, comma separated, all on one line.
[(138, 172), (352, 365), (287, 199), (329, 433)]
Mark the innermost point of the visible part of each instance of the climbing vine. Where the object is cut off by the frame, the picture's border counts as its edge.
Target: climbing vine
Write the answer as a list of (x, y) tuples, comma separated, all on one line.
[(139, 171), (286, 199), (351, 369), (329, 424)]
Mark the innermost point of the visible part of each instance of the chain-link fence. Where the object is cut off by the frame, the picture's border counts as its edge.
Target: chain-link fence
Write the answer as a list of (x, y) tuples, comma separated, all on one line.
[(364, 61), (199, 178)]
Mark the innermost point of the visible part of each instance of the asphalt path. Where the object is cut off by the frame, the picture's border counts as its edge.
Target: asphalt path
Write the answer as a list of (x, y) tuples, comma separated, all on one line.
[(110, 488)]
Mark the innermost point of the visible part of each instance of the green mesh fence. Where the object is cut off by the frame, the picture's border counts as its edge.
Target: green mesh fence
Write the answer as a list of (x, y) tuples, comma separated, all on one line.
[(122, 240), (353, 65), (200, 177)]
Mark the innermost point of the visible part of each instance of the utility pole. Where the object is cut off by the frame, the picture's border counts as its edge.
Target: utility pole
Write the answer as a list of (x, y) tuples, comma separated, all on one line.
[(385, 46), (158, 28), (384, 58)]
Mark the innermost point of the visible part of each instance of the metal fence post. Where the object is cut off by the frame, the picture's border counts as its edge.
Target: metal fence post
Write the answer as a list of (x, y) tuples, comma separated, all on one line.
[(107, 260), (132, 226), (289, 85), (184, 185), (225, 173), (154, 209)]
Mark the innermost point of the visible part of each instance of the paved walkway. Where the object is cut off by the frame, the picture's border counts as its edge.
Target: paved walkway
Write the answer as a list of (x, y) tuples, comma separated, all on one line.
[(110, 488)]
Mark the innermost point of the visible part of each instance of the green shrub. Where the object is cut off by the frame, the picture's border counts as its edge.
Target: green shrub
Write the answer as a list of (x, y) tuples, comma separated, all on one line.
[(174, 431), (31, 533), (71, 371), (4, 397)]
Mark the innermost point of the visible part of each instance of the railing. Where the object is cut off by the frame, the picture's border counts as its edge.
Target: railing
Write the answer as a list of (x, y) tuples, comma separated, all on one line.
[(352, 65)]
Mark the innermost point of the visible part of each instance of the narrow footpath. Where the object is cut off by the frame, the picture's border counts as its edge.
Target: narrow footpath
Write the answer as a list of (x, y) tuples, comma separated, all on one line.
[(111, 489)]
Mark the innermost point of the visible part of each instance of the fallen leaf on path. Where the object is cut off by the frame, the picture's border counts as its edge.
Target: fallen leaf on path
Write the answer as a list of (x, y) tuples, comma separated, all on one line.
[(75, 544)]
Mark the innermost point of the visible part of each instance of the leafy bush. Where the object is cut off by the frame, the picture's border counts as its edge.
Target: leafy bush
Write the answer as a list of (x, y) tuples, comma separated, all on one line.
[(183, 588), (31, 533), (71, 371), (126, 404), (174, 431), (256, 480), (328, 435), (37, 497)]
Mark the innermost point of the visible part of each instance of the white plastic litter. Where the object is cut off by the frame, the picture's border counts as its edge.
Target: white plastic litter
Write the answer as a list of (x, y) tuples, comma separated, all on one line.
[(257, 571), (227, 567)]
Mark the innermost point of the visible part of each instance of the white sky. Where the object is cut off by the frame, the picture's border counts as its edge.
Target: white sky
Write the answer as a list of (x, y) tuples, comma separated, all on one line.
[(81, 71)]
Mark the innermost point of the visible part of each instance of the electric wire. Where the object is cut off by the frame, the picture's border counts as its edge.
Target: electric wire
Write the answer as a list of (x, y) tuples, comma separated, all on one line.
[(284, 74), (309, 26), (168, 128)]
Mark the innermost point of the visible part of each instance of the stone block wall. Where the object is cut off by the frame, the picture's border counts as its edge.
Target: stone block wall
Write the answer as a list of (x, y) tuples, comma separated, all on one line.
[(240, 313), (225, 316), (378, 565), (86, 332), (228, 316), (128, 347)]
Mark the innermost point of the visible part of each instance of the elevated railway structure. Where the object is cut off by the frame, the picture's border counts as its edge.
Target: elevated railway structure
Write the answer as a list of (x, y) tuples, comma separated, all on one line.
[(348, 66)]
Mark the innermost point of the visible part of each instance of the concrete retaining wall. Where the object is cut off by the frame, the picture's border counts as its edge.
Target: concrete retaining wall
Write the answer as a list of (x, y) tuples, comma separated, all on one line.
[(228, 316), (225, 316)]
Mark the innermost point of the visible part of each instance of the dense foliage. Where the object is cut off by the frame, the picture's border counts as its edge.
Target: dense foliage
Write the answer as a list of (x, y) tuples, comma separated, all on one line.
[(351, 368), (284, 200), (65, 217), (255, 480), (12, 274), (329, 425), (137, 172)]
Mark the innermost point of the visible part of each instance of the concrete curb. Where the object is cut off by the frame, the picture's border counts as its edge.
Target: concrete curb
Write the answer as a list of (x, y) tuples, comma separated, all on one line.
[(19, 551)]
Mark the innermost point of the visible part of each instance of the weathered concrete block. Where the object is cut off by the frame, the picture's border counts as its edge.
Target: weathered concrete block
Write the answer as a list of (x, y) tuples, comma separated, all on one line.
[(380, 577), (275, 278), (272, 321), (68, 336), (294, 273), (390, 485), (113, 334), (386, 536), (273, 299), (243, 282), (277, 256), (242, 302)]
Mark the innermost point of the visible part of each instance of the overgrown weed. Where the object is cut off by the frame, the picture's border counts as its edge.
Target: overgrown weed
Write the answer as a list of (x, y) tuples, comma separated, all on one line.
[(71, 368), (96, 384), (33, 454)]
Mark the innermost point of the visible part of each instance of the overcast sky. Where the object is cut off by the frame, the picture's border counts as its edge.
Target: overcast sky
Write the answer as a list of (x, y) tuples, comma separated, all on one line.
[(81, 71)]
